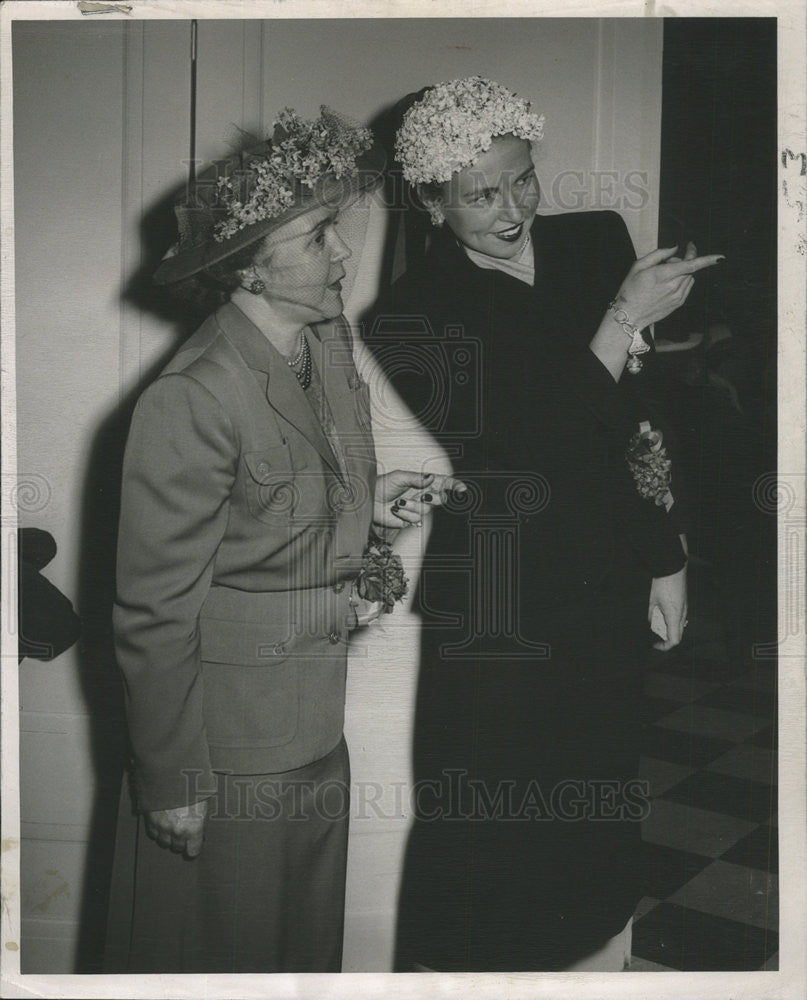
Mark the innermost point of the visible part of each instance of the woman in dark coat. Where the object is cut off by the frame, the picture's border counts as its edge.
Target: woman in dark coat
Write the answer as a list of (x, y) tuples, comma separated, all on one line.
[(523, 854)]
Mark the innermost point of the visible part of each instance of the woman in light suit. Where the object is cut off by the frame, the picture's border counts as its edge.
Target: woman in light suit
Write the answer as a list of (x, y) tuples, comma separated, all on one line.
[(249, 495)]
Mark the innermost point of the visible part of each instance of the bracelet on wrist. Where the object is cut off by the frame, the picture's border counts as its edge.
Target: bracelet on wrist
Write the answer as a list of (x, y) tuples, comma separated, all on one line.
[(638, 345)]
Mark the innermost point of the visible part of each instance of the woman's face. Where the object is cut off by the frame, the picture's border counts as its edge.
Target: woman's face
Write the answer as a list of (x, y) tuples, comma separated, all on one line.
[(490, 205), (301, 266)]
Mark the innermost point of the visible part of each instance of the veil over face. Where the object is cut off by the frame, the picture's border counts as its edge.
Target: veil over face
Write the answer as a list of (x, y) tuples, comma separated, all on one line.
[(301, 265)]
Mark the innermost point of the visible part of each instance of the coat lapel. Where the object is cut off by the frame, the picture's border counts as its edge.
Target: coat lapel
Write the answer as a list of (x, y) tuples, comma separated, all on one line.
[(280, 386)]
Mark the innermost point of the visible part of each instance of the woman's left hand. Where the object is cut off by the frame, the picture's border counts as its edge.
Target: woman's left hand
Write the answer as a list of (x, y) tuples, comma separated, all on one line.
[(402, 497), (668, 594)]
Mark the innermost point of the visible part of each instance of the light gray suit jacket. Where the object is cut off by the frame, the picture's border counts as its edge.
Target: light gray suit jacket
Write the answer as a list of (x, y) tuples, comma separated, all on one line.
[(239, 538)]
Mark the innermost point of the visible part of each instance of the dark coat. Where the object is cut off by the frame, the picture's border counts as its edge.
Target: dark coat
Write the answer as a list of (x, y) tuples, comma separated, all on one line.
[(534, 597)]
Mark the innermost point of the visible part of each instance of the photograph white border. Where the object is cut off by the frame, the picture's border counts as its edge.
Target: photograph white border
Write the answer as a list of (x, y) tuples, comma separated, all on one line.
[(790, 982)]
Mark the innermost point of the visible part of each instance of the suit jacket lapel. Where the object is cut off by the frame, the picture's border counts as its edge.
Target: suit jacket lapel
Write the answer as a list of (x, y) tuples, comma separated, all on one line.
[(334, 361), (277, 380), (334, 357)]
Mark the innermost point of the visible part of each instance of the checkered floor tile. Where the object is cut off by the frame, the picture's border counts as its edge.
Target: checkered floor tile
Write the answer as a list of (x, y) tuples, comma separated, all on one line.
[(710, 841)]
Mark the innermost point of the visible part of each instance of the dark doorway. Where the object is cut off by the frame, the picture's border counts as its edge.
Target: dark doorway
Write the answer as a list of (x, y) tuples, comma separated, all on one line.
[(718, 189)]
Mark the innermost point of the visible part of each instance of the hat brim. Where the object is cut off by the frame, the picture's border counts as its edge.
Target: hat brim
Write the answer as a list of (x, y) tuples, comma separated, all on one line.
[(334, 192)]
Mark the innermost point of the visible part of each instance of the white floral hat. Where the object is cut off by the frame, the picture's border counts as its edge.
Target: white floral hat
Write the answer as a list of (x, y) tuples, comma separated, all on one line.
[(455, 122), (328, 161)]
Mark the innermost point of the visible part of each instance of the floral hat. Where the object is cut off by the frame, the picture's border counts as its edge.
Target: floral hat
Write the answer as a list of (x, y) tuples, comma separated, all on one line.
[(328, 161), (455, 122)]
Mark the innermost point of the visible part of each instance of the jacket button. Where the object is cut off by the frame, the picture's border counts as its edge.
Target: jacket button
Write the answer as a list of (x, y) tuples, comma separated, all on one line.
[(339, 587), (333, 638), (263, 468), (280, 650)]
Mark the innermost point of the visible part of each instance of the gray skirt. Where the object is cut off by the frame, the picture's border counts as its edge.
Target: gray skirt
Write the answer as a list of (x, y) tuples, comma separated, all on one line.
[(266, 894)]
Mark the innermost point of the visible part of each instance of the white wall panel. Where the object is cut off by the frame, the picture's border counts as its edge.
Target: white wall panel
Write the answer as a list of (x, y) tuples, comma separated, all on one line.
[(68, 223), (67, 180)]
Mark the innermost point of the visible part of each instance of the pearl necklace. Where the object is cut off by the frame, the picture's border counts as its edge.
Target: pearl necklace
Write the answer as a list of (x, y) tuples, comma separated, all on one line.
[(301, 365)]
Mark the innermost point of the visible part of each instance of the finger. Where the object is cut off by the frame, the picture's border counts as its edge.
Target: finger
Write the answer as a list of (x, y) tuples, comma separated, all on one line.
[(405, 499), (153, 831), (448, 484), (673, 632), (193, 844), (432, 499), (387, 517), (682, 289), (691, 251), (686, 288), (408, 515), (399, 480), (677, 285), (693, 265), (653, 258), (441, 489), (387, 520), (417, 508)]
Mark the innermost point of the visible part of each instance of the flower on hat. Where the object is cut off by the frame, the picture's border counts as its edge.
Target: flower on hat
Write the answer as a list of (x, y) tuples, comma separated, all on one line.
[(300, 154), (455, 122)]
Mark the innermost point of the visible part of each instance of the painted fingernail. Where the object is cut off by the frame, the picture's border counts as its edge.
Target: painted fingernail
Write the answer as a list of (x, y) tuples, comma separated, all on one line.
[(427, 498), (401, 503)]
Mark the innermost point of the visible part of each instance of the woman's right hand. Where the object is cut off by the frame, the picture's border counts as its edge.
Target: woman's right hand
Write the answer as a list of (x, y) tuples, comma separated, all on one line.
[(412, 495), (180, 830), (659, 283)]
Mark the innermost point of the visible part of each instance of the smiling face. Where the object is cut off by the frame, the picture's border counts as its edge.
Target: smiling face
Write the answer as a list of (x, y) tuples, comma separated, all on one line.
[(490, 206), (301, 265)]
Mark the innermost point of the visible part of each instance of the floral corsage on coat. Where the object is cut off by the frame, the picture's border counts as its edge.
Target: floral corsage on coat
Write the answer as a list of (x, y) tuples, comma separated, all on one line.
[(650, 465)]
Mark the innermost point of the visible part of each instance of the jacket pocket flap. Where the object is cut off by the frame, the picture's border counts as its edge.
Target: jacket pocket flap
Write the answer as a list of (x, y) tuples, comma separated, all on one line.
[(271, 464), (247, 644)]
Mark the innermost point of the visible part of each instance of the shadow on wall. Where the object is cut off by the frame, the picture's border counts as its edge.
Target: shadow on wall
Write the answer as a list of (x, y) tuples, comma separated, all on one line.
[(409, 231), (99, 677)]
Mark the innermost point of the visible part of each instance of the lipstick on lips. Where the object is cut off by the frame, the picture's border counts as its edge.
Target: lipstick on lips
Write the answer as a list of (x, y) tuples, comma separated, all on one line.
[(510, 235)]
